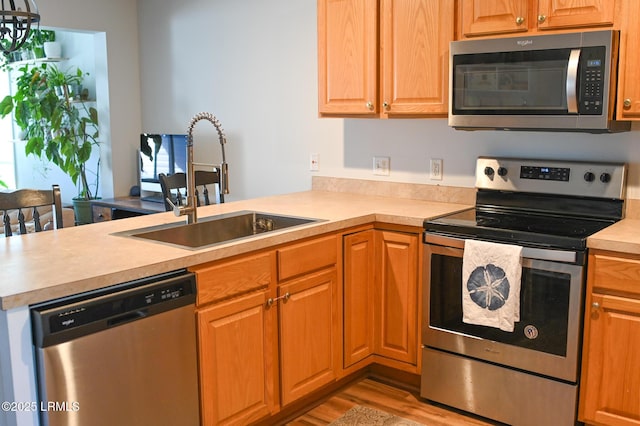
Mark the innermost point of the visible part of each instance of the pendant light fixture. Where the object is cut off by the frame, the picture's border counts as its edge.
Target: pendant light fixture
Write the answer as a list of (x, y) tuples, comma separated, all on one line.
[(16, 19)]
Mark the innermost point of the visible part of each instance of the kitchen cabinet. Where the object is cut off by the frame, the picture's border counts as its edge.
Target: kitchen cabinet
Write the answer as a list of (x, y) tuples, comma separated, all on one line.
[(269, 329), (488, 17), (628, 107), (384, 58), (381, 293), (397, 285), (237, 339), (237, 374), (309, 319), (610, 390), (359, 264)]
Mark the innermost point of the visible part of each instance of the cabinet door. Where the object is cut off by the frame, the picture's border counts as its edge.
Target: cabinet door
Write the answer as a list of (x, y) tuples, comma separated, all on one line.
[(483, 17), (558, 14), (610, 391), (415, 38), (309, 327), (359, 264), (347, 56), (237, 343), (397, 298), (628, 107)]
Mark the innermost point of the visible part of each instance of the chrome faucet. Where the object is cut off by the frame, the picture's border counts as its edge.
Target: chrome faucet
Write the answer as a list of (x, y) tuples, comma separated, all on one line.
[(190, 209)]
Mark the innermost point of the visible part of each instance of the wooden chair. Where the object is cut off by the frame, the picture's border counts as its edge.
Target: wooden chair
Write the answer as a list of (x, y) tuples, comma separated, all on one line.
[(25, 199), (174, 187)]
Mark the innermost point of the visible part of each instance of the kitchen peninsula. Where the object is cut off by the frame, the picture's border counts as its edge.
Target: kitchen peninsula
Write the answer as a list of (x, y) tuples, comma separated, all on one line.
[(51, 265)]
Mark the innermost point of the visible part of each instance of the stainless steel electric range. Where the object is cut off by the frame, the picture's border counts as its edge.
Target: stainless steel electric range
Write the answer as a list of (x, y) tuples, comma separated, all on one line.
[(529, 376)]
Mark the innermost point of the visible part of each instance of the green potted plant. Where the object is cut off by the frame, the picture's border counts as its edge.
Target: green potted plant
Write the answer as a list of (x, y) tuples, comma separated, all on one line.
[(57, 127)]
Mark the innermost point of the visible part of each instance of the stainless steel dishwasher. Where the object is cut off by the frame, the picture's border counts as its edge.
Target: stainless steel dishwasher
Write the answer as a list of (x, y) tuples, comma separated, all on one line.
[(125, 355)]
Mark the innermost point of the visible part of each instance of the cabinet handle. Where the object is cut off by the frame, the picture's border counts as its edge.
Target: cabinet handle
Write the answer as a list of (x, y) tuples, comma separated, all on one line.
[(385, 105), (541, 18), (370, 106), (627, 103), (519, 20), (272, 300), (595, 305)]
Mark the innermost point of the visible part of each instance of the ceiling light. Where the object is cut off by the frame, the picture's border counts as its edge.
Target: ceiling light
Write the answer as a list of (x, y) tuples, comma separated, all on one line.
[(15, 23)]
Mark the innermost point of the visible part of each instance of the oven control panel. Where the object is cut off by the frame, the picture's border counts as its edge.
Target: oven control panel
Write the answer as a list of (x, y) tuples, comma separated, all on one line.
[(574, 178)]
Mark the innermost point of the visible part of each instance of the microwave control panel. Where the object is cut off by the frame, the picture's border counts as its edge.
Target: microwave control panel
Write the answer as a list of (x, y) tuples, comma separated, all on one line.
[(592, 73)]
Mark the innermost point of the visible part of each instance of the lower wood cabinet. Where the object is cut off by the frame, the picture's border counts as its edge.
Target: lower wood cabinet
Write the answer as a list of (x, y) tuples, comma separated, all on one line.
[(381, 294), (358, 288), (309, 331), (397, 296), (237, 346), (610, 389), (269, 329)]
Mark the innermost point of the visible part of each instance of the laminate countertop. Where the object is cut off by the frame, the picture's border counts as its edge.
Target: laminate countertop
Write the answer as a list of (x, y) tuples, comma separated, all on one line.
[(623, 237), (53, 264)]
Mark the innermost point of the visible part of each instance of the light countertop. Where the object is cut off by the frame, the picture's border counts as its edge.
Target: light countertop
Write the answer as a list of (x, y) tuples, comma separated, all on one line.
[(53, 264), (623, 236)]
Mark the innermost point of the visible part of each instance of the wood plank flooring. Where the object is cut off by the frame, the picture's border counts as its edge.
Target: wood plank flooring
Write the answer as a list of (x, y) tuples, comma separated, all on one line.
[(371, 393)]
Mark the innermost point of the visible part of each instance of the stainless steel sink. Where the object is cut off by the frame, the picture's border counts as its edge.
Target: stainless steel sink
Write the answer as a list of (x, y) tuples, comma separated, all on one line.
[(217, 229)]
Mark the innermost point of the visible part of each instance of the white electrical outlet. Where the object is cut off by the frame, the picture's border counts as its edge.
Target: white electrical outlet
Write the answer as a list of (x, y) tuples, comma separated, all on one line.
[(436, 169), (381, 166), (314, 162)]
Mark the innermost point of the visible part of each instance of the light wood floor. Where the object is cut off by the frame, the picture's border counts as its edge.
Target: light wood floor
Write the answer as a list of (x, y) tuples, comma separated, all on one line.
[(370, 393)]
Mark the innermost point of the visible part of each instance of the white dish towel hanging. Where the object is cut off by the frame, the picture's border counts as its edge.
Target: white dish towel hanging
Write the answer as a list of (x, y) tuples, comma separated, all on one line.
[(491, 275)]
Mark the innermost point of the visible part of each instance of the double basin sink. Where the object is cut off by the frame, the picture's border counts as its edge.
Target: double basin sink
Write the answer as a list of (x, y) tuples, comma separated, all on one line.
[(217, 229)]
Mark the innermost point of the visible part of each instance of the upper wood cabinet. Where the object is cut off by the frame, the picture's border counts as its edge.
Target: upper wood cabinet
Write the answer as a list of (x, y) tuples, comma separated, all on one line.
[(628, 104), (490, 17), (384, 58), (610, 389)]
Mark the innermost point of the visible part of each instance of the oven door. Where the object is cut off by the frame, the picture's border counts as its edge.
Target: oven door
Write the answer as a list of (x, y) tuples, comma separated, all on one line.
[(546, 339)]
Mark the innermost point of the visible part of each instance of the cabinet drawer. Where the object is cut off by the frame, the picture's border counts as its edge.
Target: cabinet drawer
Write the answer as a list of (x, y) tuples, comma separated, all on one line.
[(305, 257), (616, 273), (100, 213), (224, 280)]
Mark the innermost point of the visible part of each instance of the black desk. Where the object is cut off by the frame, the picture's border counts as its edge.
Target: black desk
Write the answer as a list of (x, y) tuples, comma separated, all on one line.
[(122, 207)]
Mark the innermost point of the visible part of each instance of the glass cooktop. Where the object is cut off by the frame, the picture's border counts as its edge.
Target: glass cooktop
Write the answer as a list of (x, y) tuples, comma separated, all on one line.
[(522, 228)]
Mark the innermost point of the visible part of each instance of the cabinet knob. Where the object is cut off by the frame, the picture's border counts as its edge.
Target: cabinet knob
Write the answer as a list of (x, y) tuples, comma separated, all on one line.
[(541, 19), (370, 106), (519, 20), (385, 105), (627, 103), (595, 305)]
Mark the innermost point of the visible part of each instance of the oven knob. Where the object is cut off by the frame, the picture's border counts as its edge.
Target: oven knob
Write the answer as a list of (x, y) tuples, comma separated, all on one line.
[(605, 177), (502, 171), (589, 177), (488, 171)]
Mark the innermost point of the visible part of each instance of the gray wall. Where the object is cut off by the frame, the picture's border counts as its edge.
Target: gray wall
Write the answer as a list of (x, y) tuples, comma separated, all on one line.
[(253, 64)]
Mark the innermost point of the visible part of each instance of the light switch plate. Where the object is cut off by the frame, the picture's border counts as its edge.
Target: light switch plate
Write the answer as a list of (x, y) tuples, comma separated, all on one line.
[(381, 166)]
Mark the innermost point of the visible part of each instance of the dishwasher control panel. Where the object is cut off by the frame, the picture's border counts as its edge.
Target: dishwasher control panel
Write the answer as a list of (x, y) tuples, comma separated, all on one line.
[(94, 311)]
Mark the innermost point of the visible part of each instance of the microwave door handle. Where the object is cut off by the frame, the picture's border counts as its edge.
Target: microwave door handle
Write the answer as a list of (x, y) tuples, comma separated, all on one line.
[(572, 81)]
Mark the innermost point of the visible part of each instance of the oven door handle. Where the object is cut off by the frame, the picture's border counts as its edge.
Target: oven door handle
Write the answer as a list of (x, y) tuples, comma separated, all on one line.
[(527, 252)]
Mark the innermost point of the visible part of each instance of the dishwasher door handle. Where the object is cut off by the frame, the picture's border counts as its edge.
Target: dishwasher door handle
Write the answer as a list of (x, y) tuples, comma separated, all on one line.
[(129, 316)]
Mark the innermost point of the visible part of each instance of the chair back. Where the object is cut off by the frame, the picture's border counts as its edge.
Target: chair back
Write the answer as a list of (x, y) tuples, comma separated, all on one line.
[(174, 187), (30, 199)]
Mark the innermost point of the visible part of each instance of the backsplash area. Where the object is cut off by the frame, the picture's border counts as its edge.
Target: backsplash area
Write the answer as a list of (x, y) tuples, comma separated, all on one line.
[(416, 191)]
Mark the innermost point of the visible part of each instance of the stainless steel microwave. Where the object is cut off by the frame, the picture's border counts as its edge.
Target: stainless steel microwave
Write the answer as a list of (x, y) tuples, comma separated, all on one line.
[(562, 82)]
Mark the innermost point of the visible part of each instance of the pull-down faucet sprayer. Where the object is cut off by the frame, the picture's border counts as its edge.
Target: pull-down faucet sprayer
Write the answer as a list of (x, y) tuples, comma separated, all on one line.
[(190, 209)]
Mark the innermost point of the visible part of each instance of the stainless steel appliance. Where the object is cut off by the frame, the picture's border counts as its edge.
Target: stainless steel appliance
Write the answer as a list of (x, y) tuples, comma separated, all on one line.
[(121, 356), (530, 376), (549, 82)]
